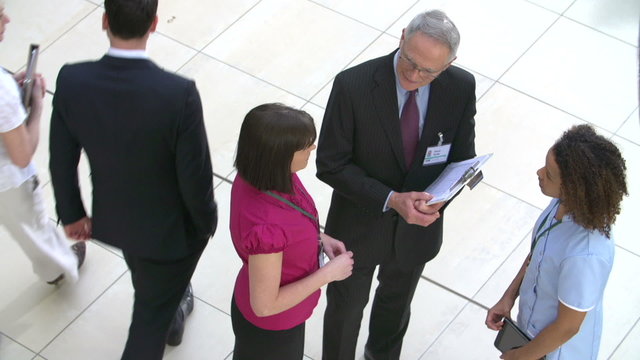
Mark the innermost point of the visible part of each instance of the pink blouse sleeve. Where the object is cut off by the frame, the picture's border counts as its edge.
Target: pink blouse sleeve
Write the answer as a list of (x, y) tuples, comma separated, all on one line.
[(264, 239)]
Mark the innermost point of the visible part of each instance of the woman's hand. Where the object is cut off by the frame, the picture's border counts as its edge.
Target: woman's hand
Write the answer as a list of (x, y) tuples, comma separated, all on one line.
[(332, 247), (340, 267), (499, 311)]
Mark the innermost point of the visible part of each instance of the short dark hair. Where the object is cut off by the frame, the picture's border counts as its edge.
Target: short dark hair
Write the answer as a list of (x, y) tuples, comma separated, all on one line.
[(130, 19), (269, 136), (593, 177)]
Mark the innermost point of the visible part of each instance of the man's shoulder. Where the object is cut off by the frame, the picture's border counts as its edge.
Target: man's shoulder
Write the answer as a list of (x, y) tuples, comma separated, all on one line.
[(460, 75), (367, 68), (145, 69)]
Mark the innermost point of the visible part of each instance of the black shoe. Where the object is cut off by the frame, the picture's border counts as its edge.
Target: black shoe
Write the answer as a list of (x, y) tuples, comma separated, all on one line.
[(80, 250), (176, 330)]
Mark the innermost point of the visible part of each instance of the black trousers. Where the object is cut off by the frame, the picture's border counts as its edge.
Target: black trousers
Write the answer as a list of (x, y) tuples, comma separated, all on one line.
[(254, 343), (158, 289), (390, 312)]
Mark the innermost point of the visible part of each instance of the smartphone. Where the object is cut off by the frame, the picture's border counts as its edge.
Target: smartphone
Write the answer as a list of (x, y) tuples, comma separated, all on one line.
[(27, 85)]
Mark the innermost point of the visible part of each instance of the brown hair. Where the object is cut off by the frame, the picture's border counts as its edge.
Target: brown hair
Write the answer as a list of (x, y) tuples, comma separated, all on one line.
[(593, 176), (269, 136)]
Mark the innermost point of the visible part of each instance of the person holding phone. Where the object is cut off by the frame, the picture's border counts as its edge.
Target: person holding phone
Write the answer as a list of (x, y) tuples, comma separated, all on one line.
[(22, 210), (562, 281), (276, 233)]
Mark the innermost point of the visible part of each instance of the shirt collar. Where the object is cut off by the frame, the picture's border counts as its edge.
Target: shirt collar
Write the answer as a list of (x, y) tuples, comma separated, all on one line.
[(128, 54)]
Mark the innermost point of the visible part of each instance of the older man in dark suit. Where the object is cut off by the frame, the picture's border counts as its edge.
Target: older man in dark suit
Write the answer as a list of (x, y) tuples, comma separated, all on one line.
[(391, 126), (143, 131)]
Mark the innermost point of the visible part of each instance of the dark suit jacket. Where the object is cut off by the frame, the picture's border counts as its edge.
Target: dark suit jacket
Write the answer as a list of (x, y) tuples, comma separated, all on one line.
[(142, 129), (360, 155)]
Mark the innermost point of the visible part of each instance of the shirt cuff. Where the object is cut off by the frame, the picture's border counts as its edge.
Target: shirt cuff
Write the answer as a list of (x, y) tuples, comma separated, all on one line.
[(386, 207)]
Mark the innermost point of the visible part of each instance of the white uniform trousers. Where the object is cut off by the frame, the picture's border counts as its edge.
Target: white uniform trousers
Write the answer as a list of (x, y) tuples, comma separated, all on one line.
[(22, 213)]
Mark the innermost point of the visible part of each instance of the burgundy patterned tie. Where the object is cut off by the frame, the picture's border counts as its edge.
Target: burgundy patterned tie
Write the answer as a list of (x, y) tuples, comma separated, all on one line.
[(410, 128)]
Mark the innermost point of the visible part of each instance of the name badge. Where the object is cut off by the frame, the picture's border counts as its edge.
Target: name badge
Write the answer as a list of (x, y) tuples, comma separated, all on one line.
[(436, 155)]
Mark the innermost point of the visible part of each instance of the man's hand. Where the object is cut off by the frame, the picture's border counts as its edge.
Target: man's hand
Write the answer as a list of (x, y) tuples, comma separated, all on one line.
[(413, 208), (79, 230)]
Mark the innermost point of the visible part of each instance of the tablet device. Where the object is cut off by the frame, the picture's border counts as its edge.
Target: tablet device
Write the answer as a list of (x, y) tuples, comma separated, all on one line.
[(510, 337)]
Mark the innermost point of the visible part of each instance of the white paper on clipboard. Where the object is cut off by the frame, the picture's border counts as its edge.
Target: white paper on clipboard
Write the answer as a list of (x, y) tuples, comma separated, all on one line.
[(454, 177)]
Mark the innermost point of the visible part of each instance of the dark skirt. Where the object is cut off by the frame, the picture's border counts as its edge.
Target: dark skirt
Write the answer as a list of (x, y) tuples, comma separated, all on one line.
[(254, 343)]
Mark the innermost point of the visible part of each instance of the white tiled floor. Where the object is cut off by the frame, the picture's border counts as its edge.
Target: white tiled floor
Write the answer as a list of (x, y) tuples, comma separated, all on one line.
[(540, 65)]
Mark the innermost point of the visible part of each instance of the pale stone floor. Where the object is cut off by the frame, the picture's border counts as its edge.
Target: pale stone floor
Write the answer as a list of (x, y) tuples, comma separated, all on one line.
[(540, 66)]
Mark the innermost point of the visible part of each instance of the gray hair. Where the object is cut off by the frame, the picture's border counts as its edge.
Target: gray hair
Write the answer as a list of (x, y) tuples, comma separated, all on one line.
[(437, 25)]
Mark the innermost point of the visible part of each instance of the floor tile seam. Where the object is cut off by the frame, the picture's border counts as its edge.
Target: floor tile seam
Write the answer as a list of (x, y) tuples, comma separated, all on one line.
[(39, 353), (454, 292), (616, 133), (629, 251), (349, 64), (495, 187), (563, 14), (223, 178), (511, 253), (228, 355), (354, 19), (44, 50), (231, 25), (446, 327), (558, 108), (553, 11), (228, 313), (255, 77), (599, 31), (346, 66), (531, 45), (637, 323), (2, 333)]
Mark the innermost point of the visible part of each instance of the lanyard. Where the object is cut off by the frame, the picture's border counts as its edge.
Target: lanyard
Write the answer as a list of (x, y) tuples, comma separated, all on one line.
[(301, 210), (305, 213), (545, 231)]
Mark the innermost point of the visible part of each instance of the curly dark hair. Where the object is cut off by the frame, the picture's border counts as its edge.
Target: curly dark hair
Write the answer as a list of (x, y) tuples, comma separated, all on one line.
[(593, 177)]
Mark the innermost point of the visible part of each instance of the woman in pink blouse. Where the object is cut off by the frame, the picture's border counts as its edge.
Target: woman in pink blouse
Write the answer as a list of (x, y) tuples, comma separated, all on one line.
[(275, 231)]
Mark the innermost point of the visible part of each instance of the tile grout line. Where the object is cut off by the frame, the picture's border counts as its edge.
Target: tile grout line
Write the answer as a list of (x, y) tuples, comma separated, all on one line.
[(558, 108), (443, 330), (230, 25), (3, 334), (384, 32), (623, 339), (80, 314)]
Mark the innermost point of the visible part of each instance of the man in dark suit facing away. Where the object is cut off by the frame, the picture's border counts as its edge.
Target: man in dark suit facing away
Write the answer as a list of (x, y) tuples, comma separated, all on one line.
[(143, 132), (391, 126)]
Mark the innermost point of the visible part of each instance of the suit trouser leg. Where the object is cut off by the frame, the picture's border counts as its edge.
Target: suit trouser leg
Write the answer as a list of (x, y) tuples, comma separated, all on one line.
[(391, 310), (22, 212), (158, 289), (346, 300)]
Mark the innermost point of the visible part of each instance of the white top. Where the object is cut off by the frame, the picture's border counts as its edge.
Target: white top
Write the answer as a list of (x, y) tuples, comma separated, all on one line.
[(12, 115)]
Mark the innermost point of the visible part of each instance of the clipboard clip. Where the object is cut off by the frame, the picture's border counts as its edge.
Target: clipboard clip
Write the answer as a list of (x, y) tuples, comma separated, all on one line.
[(468, 174)]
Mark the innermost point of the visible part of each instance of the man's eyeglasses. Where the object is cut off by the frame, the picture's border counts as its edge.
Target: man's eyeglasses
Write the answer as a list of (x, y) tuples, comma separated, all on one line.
[(425, 74)]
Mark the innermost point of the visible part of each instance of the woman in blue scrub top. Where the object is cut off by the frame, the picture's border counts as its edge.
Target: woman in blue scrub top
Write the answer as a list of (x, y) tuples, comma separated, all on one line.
[(562, 281)]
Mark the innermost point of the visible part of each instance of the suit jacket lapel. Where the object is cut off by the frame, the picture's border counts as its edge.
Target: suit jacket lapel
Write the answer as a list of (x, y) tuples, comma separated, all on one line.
[(386, 104)]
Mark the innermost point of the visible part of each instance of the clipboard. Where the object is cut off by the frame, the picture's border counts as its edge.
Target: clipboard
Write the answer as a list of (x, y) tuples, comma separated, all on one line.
[(455, 176), (27, 84)]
